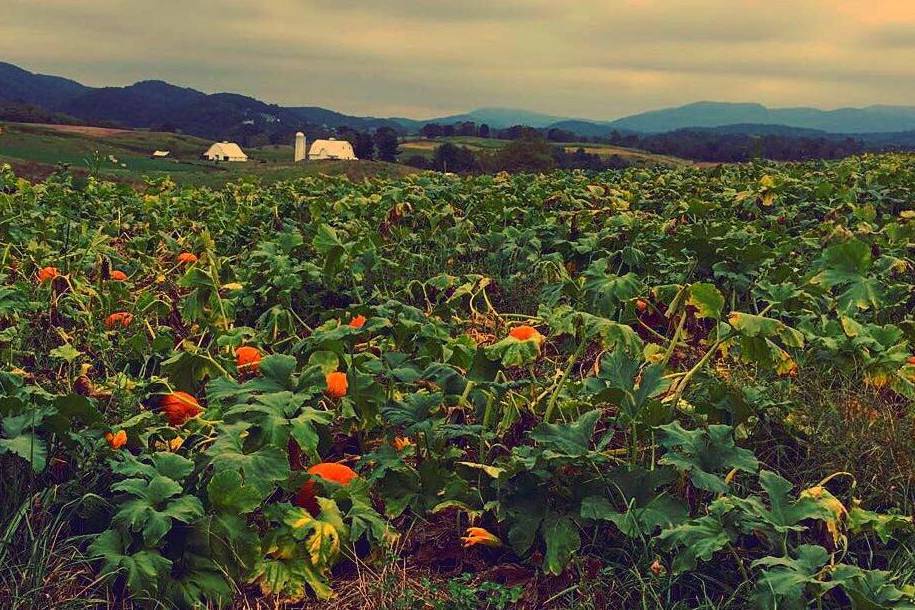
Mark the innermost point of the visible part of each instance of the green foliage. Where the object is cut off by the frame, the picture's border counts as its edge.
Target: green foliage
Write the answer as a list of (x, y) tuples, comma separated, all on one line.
[(705, 454), (657, 417)]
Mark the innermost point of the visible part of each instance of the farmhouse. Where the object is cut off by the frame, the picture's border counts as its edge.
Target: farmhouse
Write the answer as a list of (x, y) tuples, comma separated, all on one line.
[(331, 149), (225, 151)]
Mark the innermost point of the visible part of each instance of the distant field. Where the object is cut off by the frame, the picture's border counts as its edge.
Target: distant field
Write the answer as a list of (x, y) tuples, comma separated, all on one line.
[(608, 150), (36, 150), (426, 148)]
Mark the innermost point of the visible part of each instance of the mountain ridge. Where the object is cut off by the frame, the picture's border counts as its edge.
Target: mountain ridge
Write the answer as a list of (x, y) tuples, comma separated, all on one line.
[(159, 104)]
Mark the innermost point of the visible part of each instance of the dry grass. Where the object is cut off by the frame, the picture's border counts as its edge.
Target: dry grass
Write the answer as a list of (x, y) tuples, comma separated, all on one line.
[(86, 130)]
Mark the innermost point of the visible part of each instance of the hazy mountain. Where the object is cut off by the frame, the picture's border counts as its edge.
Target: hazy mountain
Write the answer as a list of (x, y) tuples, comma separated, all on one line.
[(585, 128), (871, 119), (331, 118), (499, 118)]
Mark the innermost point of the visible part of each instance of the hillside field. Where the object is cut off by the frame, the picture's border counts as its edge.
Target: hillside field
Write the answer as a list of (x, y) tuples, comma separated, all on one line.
[(426, 148), (659, 387), (36, 150)]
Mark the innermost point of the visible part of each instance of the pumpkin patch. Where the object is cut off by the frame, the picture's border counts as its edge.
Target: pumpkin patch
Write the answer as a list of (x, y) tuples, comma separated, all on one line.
[(622, 389)]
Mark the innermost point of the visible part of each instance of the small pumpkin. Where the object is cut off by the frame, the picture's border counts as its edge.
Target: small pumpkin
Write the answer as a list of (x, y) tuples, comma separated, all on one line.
[(357, 322), (329, 471), (116, 440), (337, 384), (247, 358), (526, 333), (119, 319), (118, 276), (187, 258), (179, 407), (46, 274)]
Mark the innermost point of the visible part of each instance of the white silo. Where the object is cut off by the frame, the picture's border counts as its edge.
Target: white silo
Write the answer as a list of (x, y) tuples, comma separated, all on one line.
[(299, 146)]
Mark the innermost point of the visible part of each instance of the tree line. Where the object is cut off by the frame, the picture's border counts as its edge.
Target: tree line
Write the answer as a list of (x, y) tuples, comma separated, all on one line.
[(529, 153), (718, 145)]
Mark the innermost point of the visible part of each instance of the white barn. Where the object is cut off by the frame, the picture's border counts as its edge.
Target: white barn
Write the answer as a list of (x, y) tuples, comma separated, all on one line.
[(225, 151), (331, 149)]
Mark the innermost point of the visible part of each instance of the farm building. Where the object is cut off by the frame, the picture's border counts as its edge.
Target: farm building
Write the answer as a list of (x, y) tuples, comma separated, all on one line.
[(160, 154), (331, 149), (225, 151)]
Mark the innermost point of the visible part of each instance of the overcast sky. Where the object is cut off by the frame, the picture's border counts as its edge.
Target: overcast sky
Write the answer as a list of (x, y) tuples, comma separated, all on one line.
[(586, 58)]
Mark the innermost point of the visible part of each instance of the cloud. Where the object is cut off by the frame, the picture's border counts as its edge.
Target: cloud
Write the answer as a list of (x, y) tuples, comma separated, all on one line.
[(591, 58), (894, 36)]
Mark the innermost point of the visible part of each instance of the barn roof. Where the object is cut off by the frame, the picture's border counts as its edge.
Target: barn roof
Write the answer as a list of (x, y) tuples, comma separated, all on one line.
[(226, 149), (332, 148)]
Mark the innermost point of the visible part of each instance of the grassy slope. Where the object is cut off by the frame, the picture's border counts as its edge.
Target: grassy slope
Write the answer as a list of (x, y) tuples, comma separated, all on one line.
[(34, 150)]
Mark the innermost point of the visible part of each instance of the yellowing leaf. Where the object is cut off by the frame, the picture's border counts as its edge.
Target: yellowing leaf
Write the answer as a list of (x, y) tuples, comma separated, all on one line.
[(833, 505)]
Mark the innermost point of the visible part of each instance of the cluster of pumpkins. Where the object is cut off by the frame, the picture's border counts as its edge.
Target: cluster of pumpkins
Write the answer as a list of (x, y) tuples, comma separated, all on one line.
[(179, 407)]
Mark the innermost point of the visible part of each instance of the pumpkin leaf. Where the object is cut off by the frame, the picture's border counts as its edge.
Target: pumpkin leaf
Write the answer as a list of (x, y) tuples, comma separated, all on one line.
[(143, 569), (705, 454), (697, 539), (572, 440), (790, 582), (707, 300), (560, 533)]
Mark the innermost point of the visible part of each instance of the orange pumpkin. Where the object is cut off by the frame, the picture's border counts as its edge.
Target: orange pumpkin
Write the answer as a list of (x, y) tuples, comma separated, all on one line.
[(118, 276), (329, 471), (187, 258), (179, 407), (525, 333), (911, 360), (337, 384), (116, 440), (119, 319), (641, 305), (357, 322), (247, 358), (46, 274)]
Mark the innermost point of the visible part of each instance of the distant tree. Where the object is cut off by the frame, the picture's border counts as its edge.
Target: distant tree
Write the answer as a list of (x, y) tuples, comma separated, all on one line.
[(561, 135), (458, 159), (484, 131), (528, 154), (364, 146), (516, 132), (466, 128), (386, 144), (431, 131), (448, 130), (347, 133)]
